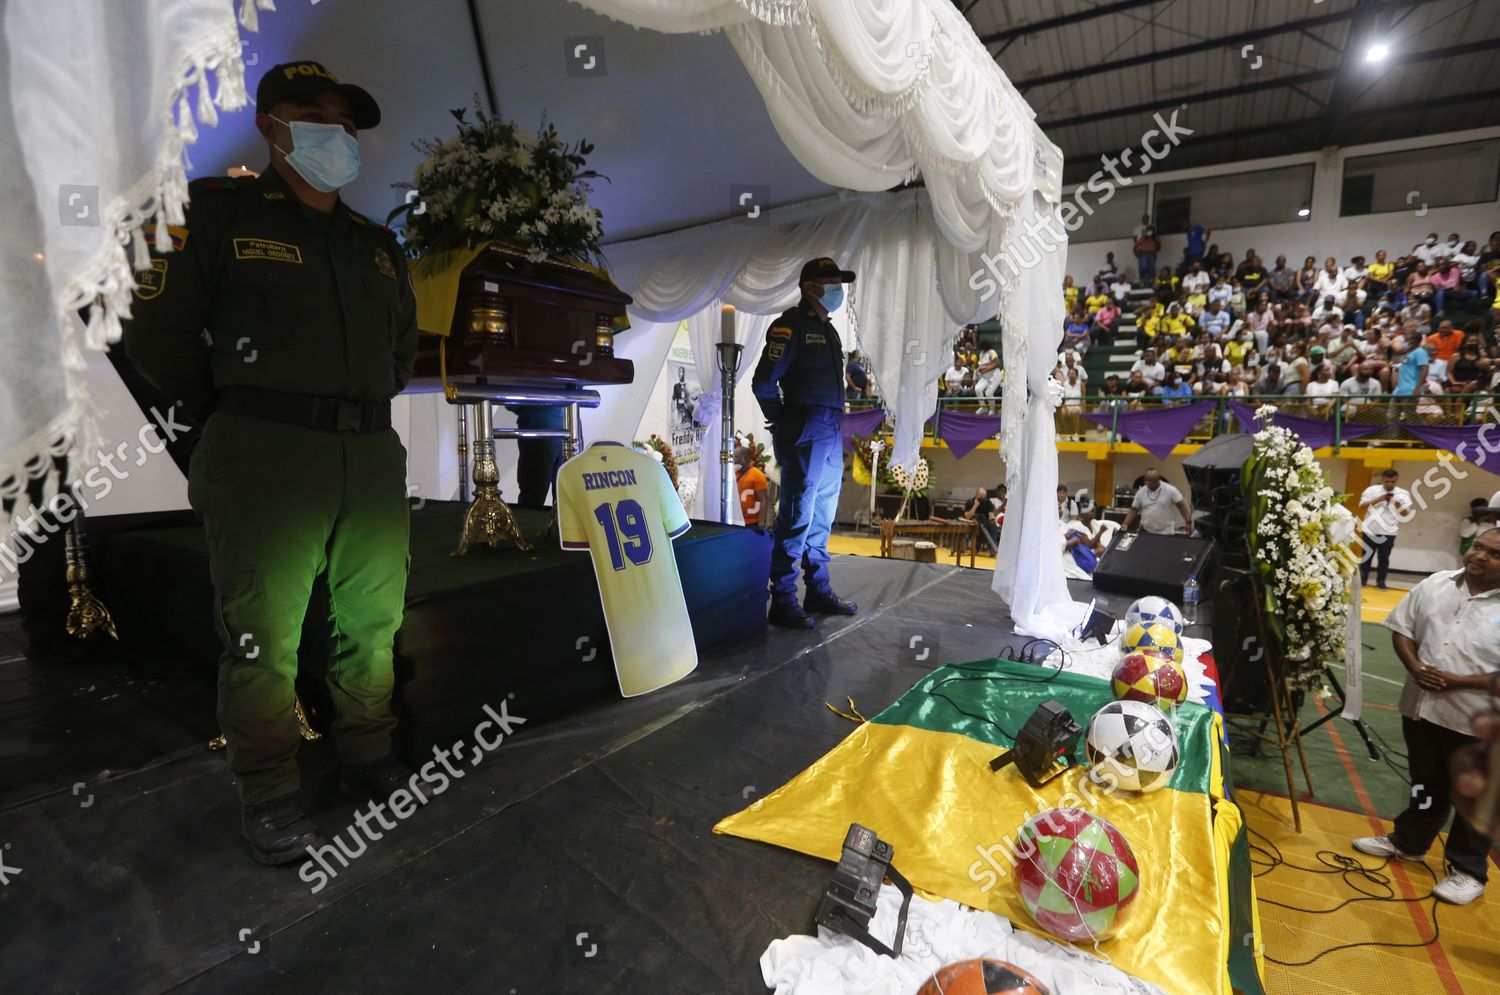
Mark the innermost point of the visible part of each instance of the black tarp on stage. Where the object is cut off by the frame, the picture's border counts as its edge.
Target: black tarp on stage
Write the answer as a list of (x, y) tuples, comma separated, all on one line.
[(596, 822)]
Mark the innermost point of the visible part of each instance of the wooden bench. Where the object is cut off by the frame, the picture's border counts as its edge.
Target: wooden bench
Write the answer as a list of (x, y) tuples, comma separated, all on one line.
[(956, 536)]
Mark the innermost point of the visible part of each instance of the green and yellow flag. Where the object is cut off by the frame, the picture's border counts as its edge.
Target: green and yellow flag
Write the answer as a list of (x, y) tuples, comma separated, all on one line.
[(918, 774)]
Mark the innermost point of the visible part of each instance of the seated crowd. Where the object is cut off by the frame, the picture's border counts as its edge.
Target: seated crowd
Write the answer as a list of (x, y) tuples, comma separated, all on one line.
[(1419, 325)]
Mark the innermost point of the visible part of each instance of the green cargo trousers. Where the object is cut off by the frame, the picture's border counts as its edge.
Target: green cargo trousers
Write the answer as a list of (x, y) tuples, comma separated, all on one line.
[(280, 503)]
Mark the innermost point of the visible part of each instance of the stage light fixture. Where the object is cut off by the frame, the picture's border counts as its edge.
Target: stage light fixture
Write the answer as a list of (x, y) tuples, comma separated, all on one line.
[(1045, 746), (849, 903), (1378, 52)]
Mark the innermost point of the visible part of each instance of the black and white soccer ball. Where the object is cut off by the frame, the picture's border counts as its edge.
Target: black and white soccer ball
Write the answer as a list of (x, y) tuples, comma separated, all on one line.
[(1133, 744)]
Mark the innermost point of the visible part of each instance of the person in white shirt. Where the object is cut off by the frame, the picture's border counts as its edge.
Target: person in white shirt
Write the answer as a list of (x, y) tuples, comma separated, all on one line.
[(1427, 251), (1363, 384), (1322, 384), (1120, 288), (1331, 282), (1221, 292), (1355, 271), (953, 377), (1150, 370), (1443, 631), (1067, 508), (1328, 312), (1196, 281), (987, 377), (1157, 504), (1384, 505)]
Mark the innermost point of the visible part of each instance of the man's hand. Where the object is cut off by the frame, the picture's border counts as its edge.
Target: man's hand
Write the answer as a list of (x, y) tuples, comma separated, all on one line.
[(1474, 772), (1430, 678)]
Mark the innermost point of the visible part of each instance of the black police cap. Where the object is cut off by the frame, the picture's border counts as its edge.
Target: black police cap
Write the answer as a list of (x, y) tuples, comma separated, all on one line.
[(297, 81), (822, 268)]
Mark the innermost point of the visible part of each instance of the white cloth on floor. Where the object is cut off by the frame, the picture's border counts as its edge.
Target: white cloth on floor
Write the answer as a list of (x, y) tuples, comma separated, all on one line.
[(1058, 622), (937, 933)]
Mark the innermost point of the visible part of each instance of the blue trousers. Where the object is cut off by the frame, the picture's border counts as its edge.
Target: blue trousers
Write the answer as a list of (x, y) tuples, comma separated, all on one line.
[(809, 445), (1146, 267)]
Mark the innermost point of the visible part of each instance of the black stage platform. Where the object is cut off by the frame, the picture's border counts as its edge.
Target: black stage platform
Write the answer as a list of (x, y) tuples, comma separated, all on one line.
[(478, 628), (598, 822)]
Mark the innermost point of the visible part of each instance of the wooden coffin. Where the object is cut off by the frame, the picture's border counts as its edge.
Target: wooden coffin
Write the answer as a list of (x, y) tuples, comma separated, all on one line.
[(520, 322)]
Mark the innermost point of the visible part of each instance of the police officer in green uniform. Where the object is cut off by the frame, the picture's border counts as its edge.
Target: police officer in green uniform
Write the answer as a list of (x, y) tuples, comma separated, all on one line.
[(799, 383), (284, 323)]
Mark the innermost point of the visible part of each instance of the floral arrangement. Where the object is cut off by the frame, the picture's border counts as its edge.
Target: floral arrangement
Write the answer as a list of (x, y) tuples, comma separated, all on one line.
[(864, 458), (657, 448), (1301, 539), (496, 182), (912, 482)]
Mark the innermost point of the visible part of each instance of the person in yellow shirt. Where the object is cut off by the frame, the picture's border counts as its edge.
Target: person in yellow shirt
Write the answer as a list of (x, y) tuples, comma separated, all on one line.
[(1239, 350), (1380, 270), (1095, 301), (1196, 302), (1070, 295)]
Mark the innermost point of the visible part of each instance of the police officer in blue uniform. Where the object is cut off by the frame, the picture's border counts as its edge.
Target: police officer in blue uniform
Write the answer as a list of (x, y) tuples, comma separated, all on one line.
[(799, 383)]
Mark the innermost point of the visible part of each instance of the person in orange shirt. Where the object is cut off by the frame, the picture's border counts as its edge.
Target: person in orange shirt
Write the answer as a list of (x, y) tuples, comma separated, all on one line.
[(752, 487), (1445, 341)]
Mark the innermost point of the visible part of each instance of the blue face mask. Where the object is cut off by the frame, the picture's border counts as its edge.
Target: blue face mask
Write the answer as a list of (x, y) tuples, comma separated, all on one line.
[(833, 297), (325, 155)]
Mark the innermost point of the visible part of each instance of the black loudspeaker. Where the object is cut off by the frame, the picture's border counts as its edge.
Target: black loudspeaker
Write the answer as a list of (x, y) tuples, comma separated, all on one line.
[(1243, 683), (1141, 563), (1213, 474)]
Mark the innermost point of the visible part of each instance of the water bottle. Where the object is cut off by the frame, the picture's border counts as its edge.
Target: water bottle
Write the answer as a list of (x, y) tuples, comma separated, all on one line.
[(1190, 600)]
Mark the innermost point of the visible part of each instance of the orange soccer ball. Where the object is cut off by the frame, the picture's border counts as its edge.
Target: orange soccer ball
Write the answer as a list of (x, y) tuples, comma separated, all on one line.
[(982, 976)]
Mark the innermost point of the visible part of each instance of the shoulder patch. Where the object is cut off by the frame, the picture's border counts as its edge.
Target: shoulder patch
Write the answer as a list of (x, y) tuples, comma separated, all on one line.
[(178, 235), (775, 350), (151, 282), (780, 332)]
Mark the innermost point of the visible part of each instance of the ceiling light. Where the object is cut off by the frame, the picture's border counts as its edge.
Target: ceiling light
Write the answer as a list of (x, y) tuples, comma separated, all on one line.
[(1304, 211), (1378, 52)]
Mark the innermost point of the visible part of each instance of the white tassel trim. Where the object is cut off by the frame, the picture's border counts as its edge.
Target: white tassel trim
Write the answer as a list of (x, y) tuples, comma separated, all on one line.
[(105, 284)]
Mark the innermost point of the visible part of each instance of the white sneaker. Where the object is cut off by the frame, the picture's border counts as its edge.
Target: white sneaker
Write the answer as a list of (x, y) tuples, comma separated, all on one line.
[(1381, 846), (1458, 888)]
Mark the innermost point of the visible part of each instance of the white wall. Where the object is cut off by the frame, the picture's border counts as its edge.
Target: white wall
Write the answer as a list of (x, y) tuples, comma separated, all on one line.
[(1324, 233)]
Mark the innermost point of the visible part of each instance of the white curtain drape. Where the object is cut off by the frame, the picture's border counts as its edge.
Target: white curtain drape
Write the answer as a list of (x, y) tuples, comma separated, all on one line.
[(912, 293), (705, 330), (98, 102), (620, 408), (1028, 567)]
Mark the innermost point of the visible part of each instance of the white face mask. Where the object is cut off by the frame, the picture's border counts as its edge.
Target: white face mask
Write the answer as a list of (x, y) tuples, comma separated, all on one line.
[(325, 155)]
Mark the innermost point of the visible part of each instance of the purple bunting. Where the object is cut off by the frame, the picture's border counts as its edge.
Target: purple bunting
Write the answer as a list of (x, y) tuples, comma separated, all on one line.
[(1159, 430), (1477, 444), (1315, 433), (963, 431), (861, 423)]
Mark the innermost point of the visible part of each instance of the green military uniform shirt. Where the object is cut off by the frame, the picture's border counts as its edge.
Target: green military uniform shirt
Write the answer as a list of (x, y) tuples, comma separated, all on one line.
[(292, 299)]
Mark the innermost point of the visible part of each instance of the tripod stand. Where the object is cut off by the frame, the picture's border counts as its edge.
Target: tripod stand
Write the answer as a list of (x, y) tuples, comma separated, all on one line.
[(1333, 713)]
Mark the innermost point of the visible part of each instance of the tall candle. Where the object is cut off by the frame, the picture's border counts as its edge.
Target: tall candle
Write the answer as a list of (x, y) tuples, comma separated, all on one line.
[(726, 323)]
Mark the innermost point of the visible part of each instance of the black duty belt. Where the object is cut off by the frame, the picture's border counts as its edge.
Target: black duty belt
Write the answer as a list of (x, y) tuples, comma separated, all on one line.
[(331, 414)]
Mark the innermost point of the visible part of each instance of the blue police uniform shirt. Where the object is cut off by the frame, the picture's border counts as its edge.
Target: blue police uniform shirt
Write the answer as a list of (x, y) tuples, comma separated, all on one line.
[(802, 363)]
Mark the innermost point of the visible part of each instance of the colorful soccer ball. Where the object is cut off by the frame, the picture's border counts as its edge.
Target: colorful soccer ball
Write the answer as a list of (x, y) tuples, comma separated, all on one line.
[(1158, 637), (1150, 677), (982, 976), (1077, 875), (1154, 609), (1134, 744)]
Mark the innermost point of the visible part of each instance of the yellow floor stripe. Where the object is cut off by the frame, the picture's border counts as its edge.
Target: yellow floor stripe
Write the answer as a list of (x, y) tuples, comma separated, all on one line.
[(1466, 933)]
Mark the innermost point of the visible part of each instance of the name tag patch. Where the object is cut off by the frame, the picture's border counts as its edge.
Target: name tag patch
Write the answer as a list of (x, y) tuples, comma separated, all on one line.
[(816, 338), (264, 248), (151, 282)]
